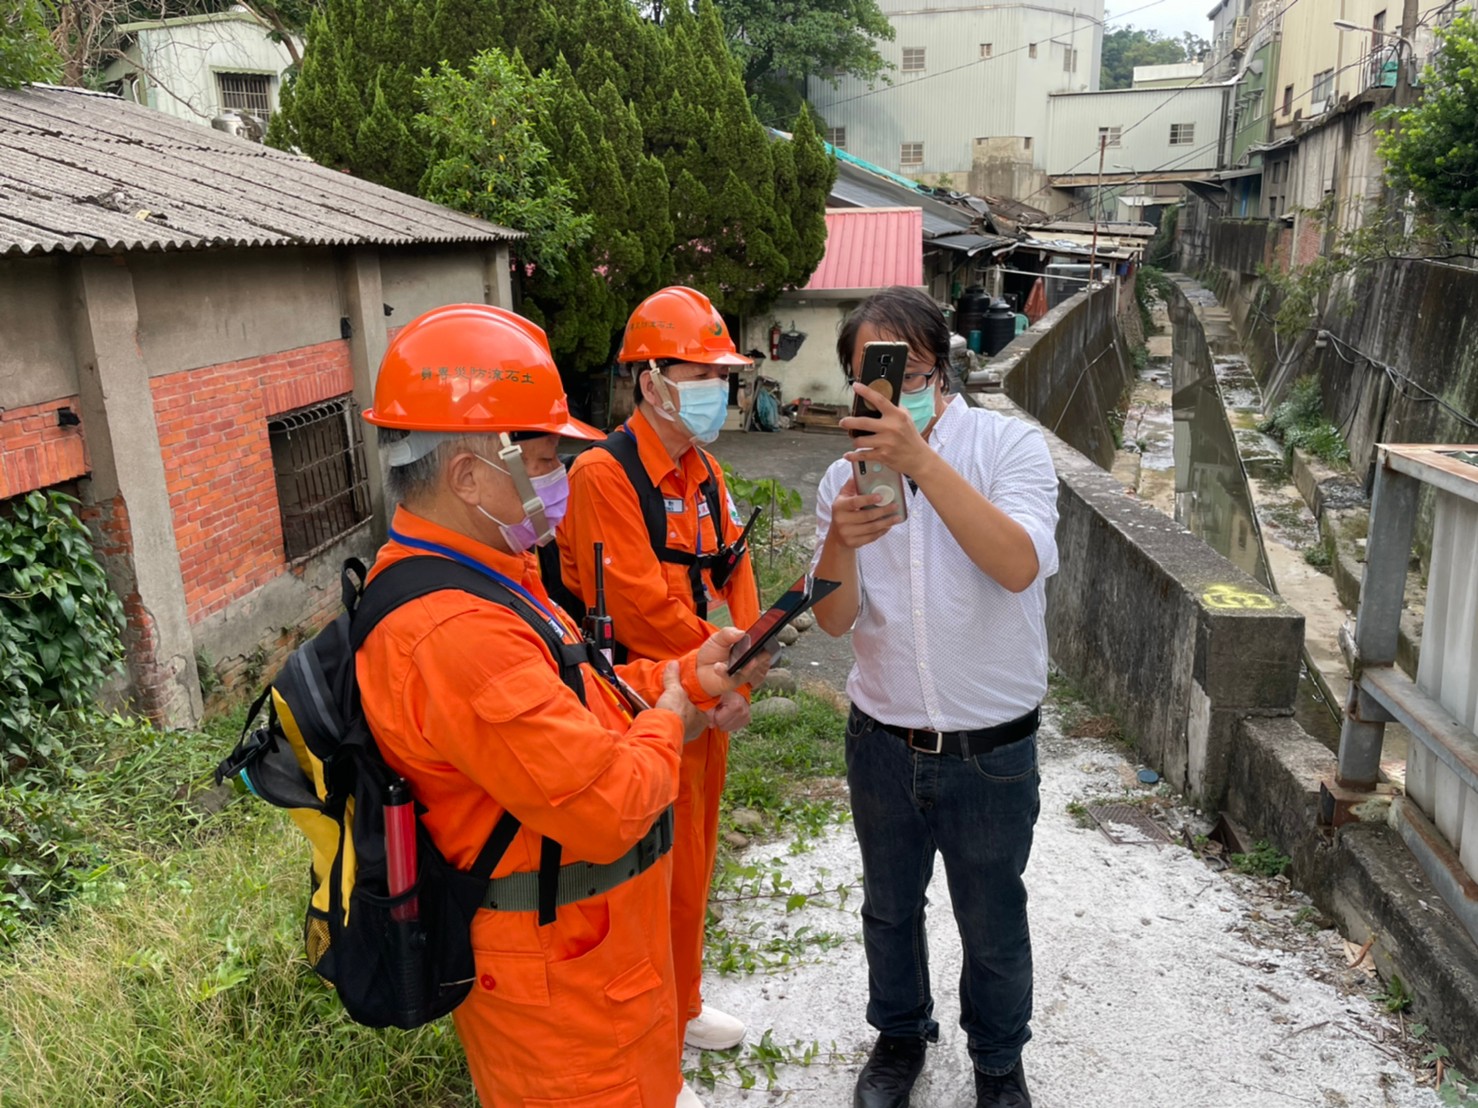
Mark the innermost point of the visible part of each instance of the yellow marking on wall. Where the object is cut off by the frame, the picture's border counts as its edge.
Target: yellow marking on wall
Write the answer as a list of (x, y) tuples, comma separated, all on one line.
[(1239, 599)]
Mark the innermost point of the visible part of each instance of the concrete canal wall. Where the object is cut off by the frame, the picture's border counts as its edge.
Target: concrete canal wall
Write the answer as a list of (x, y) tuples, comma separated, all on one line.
[(1144, 617)]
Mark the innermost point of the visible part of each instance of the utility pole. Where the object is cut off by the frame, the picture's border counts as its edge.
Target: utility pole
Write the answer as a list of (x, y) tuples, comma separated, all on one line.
[(1405, 92), (1098, 203)]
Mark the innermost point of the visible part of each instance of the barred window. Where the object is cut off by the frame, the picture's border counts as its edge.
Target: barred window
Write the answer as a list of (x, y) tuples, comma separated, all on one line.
[(913, 59), (318, 460), (1182, 134), (246, 92), (837, 136), (911, 153), (987, 49)]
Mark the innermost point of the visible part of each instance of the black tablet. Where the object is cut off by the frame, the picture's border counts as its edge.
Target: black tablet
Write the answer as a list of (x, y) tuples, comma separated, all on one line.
[(761, 637)]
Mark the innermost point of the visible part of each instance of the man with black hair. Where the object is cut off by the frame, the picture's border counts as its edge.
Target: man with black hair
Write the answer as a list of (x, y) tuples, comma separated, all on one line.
[(947, 614)]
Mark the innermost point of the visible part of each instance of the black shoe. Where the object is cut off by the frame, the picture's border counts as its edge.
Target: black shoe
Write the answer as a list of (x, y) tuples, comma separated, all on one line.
[(1005, 1091), (892, 1068)]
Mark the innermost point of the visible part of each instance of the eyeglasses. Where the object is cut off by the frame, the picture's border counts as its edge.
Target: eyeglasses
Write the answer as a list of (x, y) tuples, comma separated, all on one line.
[(913, 381)]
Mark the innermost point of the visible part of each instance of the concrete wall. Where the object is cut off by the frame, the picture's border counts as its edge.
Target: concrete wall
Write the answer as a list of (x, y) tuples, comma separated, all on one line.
[(1070, 369), (1148, 620), (1178, 643), (37, 359), (814, 372)]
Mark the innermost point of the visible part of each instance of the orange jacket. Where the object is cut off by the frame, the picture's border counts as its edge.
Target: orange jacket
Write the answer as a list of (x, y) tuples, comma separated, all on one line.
[(650, 601), (466, 703)]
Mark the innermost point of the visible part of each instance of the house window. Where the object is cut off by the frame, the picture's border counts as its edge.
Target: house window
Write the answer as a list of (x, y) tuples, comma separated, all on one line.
[(837, 136), (911, 153), (1182, 134), (1109, 136), (913, 59), (1031, 50), (1069, 60), (1287, 99), (1026, 143), (1323, 86), (986, 49), (318, 460), (246, 92)]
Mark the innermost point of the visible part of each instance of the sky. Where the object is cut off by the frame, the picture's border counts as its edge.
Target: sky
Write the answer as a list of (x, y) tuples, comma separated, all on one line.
[(1170, 17)]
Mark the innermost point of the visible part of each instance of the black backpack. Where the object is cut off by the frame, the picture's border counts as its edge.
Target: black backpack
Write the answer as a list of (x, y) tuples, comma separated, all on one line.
[(316, 758), (621, 445)]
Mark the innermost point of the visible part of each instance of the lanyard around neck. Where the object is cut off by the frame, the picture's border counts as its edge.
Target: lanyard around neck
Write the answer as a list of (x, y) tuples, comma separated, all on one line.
[(487, 571)]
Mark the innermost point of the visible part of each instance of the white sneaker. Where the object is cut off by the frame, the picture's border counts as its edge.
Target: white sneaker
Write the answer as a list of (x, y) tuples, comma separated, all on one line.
[(711, 1029), (686, 1098)]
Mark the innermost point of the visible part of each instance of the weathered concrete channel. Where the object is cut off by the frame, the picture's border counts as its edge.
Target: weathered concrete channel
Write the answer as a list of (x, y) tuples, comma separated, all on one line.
[(1200, 659)]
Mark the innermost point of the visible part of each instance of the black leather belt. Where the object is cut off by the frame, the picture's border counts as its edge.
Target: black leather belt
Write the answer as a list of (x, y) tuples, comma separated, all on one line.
[(962, 744)]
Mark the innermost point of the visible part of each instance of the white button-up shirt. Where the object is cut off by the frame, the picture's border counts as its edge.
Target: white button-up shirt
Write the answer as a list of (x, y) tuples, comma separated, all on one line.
[(939, 644)]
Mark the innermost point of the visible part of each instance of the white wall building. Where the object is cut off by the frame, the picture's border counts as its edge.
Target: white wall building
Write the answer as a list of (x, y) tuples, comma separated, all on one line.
[(970, 85), (1147, 132), (196, 67)]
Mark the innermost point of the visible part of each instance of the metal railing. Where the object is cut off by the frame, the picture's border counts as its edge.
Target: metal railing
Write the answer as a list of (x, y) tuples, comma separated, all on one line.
[(1438, 816)]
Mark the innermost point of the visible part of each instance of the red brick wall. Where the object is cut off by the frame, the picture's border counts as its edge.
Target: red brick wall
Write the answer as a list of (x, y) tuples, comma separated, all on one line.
[(218, 463), (35, 452)]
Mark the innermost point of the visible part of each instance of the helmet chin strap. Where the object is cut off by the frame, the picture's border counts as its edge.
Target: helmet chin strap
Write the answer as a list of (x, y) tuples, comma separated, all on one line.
[(511, 455), (669, 408)]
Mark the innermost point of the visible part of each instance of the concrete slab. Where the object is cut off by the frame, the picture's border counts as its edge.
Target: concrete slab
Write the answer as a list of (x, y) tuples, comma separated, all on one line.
[(1159, 982)]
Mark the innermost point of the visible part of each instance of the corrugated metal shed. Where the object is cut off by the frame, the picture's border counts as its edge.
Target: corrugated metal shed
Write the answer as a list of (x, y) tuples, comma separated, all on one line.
[(871, 248), (83, 172), (974, 244)]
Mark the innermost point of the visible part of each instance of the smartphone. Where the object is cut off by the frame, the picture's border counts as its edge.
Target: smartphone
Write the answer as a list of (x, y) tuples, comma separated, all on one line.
[(761, 635), (883, 364)]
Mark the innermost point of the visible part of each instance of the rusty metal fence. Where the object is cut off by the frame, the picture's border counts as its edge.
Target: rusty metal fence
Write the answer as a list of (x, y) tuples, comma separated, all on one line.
[(322, 489)]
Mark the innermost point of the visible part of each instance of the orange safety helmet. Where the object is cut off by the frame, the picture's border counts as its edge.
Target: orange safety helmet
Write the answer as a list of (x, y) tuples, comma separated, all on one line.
[(473, 368), (678, 324)]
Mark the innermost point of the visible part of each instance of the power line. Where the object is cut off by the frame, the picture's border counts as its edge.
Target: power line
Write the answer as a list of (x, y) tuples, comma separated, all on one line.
[(1085, 203), (1211, 66)]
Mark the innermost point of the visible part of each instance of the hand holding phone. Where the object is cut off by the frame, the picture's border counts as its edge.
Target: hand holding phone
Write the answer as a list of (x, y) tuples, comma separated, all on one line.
[(883, 364), (761, 636)]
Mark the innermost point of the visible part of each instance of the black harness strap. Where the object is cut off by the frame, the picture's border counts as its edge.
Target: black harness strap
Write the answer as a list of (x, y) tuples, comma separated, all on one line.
[(621, 445), (422, 575)]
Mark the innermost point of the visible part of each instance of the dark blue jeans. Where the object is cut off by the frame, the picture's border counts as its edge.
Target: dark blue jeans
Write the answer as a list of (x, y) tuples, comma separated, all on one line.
[(978, 813)]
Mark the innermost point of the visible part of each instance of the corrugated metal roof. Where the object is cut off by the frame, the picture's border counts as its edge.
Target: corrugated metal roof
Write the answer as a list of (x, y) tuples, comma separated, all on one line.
[(974, 244), (871, 248), (82, 172), (864, 189)]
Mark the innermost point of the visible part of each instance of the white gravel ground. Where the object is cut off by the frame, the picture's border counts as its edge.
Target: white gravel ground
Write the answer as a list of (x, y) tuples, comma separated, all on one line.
[(1160, 981)]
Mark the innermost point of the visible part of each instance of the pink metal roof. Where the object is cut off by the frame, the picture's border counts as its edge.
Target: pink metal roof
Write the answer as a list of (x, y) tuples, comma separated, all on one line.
[(871, 248)]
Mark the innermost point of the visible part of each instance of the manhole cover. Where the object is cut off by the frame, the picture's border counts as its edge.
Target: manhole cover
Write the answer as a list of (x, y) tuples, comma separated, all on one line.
[(1127, 826)]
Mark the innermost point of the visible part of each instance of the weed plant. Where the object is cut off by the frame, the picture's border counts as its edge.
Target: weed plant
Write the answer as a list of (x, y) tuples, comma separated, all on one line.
[(1299, 423)]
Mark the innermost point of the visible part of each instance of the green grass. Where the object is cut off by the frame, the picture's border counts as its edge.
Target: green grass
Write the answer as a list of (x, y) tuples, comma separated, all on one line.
[(174, 972), (1264, 860), (1298, 422), (772, 761)]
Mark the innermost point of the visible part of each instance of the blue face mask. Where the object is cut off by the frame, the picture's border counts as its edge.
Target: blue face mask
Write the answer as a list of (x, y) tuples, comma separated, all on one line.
[(702, 406), (920, 405)]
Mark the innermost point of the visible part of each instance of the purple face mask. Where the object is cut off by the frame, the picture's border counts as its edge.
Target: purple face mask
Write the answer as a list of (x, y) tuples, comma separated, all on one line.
[(553, 490)]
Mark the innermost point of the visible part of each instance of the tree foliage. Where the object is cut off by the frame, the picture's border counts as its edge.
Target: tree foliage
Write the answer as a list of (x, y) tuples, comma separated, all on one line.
[(1128, 46), (1432, 149), (487, 158), (26, 52), (779, 43), (649, 131)]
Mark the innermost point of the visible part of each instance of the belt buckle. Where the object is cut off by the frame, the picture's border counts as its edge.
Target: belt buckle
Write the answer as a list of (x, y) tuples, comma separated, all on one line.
[(938, 742)]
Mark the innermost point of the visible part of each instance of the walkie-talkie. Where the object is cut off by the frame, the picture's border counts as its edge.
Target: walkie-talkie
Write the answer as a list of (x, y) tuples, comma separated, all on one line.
[(597, 626), (729, 558)]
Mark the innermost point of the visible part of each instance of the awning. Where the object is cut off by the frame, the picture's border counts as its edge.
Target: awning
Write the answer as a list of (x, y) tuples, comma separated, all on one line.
[(971, 245)]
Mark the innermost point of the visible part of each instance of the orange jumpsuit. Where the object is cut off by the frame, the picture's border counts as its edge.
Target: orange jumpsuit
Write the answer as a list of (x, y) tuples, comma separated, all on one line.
[(651, 607), (467, 704)]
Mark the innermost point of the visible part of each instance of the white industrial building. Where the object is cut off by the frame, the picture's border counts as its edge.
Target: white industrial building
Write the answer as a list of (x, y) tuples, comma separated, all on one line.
[(968, 97)]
